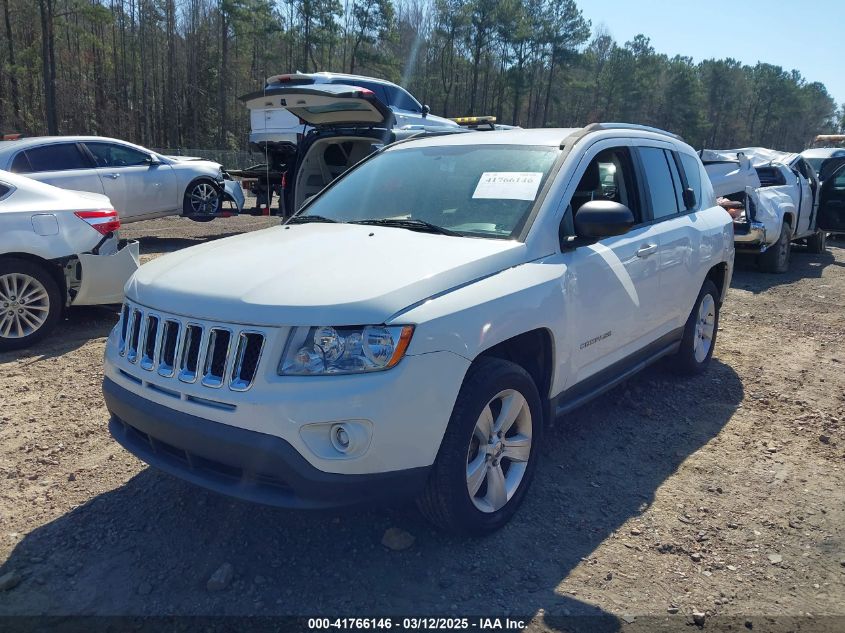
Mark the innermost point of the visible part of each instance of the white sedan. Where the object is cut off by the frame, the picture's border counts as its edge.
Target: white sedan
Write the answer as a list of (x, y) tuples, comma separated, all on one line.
[(58, 248), (141, 184)]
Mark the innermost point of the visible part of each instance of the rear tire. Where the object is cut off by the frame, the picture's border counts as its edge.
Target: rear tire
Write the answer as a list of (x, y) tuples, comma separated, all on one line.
[(30, 303), (817, 244), (699, 338), (489, 452), (776, 257)]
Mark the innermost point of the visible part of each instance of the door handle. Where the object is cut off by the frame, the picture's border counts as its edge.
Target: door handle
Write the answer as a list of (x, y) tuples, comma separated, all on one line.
[(647, 250), (113, 176)]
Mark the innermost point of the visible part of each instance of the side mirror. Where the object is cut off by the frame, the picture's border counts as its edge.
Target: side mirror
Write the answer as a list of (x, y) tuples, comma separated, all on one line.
[(602, 218), (425, 110), (153, 161), (689, 198)]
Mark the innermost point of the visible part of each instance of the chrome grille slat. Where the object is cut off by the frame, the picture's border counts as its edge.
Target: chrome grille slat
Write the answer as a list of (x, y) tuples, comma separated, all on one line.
[(186, 350), (212, 375), (189, 360), (147, 349), (168, 348), (245, 368), (134, 336)]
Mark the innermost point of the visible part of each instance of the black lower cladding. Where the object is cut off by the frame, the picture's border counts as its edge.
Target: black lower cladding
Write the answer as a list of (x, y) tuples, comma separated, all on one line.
[(238, 462)]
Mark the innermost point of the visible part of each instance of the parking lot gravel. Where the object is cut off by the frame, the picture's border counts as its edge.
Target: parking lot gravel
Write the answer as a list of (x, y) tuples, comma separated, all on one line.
[(721, 496)]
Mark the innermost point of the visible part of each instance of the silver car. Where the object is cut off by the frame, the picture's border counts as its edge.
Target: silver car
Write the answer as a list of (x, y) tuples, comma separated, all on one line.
[(141, 183)]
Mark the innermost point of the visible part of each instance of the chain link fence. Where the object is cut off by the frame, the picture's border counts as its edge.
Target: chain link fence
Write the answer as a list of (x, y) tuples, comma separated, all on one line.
[(230, 159)]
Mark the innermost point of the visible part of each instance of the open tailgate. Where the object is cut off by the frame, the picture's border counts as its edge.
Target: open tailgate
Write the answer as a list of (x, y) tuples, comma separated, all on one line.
[(324, 104)]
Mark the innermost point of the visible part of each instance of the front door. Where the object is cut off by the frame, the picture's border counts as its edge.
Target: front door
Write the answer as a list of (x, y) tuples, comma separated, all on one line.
[(612, 286), (136, 185), (832, 201)]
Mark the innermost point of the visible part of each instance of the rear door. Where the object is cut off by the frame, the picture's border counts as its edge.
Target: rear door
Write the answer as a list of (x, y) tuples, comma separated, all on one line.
[(65, 165), (136, 185), (675, 231), (325, 105), (832, 201)]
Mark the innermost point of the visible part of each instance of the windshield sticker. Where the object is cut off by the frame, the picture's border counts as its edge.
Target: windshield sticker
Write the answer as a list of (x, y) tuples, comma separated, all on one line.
[(508, 185)]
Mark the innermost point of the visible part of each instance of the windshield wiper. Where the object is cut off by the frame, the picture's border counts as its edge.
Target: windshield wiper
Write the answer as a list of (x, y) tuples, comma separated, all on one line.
[(303, 219), (411, 224)]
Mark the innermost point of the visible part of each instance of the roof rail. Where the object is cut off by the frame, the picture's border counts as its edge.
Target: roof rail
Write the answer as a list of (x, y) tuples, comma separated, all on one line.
[(631, 126)]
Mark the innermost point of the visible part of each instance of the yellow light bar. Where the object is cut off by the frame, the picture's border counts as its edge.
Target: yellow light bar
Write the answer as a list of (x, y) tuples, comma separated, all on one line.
[(474, 120)]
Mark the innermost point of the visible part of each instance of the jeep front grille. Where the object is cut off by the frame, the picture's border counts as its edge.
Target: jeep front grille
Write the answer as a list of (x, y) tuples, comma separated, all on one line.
[(184, 350)]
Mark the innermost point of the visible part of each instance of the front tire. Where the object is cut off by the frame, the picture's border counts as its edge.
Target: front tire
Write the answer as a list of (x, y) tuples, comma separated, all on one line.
[(489, 452), (817, 244), (202, 200), (776, 257), (30, 303), (699, 338)]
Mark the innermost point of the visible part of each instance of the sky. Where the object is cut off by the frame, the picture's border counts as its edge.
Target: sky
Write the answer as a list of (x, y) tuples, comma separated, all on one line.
[(806, 36)]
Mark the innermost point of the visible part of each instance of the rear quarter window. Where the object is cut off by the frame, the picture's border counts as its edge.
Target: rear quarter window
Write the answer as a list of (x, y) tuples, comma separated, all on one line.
[(692, 171), (661, 189), (4, 190), (20, 164)]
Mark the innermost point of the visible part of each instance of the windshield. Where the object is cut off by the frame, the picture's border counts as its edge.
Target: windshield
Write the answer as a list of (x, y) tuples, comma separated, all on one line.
[(479, 190)]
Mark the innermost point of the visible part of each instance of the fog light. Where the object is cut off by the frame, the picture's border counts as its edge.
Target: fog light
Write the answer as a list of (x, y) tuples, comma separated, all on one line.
[(340, 438)]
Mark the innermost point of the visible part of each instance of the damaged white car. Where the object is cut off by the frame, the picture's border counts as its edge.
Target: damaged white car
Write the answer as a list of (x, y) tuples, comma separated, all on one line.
[(58, 248), (141, 184), (777, 198)]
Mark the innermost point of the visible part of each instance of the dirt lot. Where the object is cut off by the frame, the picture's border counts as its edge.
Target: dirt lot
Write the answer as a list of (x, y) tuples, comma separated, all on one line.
[(723, 494)]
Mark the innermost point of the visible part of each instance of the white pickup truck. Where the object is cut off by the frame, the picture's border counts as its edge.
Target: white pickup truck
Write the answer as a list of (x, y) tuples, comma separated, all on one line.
[(782, 202), (413, 328)]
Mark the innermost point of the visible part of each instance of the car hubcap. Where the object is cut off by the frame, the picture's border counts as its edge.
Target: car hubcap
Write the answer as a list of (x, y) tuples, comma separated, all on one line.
[(24, 305), (704, 327), (499, 451), (204, 198)]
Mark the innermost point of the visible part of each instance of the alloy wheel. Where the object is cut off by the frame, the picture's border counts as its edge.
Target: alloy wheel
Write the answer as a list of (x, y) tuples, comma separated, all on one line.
[(499, 451), (704, 327), (204, 198), (24, 305)]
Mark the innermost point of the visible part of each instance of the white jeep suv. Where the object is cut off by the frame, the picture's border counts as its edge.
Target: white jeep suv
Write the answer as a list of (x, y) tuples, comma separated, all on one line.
[(413, 328)]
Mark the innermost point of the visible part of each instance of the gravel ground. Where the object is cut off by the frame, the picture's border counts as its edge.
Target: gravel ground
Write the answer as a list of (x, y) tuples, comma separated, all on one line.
[(722, 495)]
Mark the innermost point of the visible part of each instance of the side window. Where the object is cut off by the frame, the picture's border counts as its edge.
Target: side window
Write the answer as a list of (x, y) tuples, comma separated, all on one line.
[(661, 189), (677, 181), (401, 99), (693, 173), (111, 155), (4, 190), (58, 157), (20, 165), (609, 176), (377, 89)]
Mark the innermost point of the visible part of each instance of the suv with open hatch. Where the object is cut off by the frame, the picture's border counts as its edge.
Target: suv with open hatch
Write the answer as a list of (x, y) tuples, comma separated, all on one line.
[(413, 328)]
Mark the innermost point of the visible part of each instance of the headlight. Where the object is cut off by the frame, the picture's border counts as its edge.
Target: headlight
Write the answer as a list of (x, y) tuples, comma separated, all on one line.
[(324, 350)]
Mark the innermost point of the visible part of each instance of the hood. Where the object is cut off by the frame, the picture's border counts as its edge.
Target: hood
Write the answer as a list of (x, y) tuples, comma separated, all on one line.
[(316, 274), (731, 176), (182, 159)]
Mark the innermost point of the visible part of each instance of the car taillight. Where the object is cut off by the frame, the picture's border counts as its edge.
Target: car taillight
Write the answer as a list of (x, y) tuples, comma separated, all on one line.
[(104, 221)]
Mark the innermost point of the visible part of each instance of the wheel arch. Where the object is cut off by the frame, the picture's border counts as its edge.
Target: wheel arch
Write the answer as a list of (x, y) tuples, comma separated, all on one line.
[(718, 275), (53, 267), (789, 220), (533, 351)]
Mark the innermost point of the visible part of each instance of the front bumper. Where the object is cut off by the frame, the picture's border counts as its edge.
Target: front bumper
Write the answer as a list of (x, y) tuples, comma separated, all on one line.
[(241, 463), (754, 239), (234, 192)]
